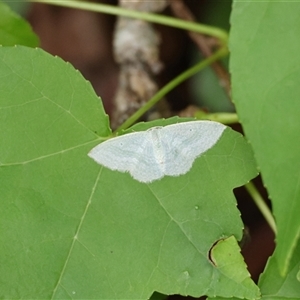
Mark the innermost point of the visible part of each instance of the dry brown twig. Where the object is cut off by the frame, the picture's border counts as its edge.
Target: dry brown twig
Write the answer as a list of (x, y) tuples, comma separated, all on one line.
[(136, 48)]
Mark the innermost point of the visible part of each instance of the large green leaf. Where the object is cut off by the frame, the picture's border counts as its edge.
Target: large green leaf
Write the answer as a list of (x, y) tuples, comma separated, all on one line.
[(265, 66), (14, 30), (71, 229)]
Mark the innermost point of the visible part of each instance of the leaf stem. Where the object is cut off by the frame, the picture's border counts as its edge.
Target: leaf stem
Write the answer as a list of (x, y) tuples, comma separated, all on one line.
[(154, 18), (222, 117), (171, 85), (261, 204)]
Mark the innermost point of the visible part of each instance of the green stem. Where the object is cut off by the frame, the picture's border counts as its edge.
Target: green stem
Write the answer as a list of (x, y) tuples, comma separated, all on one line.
[(261, 204), (171, 85), (154, 18), (225, 118)]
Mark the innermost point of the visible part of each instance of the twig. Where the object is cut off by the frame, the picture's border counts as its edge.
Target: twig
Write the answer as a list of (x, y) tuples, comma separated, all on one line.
[(261, 204), (164, 20)]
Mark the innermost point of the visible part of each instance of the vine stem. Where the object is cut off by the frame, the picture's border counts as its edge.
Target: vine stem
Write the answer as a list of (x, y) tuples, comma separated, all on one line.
[(225, 118), (261, 204), (154, 18), (171, 85)]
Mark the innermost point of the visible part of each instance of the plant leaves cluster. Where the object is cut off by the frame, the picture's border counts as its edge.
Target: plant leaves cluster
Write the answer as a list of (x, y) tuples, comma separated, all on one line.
[(71, 229)]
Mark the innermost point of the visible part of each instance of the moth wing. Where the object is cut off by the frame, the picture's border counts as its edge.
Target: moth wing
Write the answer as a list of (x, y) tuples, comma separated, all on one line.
[(184, 142), (131, 153)]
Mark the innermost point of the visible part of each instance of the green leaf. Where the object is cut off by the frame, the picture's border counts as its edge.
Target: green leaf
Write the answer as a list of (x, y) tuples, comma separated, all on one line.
[(20, 7), (71, 229), (14, 30), (274, 286), (265, 66), (230, 263)]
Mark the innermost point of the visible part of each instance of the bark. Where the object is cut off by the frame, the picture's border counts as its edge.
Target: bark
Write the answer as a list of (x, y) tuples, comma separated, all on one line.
[(136, 49)]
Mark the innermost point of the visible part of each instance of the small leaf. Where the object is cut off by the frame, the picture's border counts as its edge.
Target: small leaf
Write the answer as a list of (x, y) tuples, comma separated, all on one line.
[(236, 279), (14, 30), (275, 286)]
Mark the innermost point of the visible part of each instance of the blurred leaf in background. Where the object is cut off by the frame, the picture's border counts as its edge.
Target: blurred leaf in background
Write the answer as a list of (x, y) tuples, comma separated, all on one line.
[(19, 7), (14, 30)]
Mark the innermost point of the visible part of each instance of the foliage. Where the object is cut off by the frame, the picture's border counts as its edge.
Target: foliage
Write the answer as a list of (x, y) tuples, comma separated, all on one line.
[(14, 30), (71, 229)]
